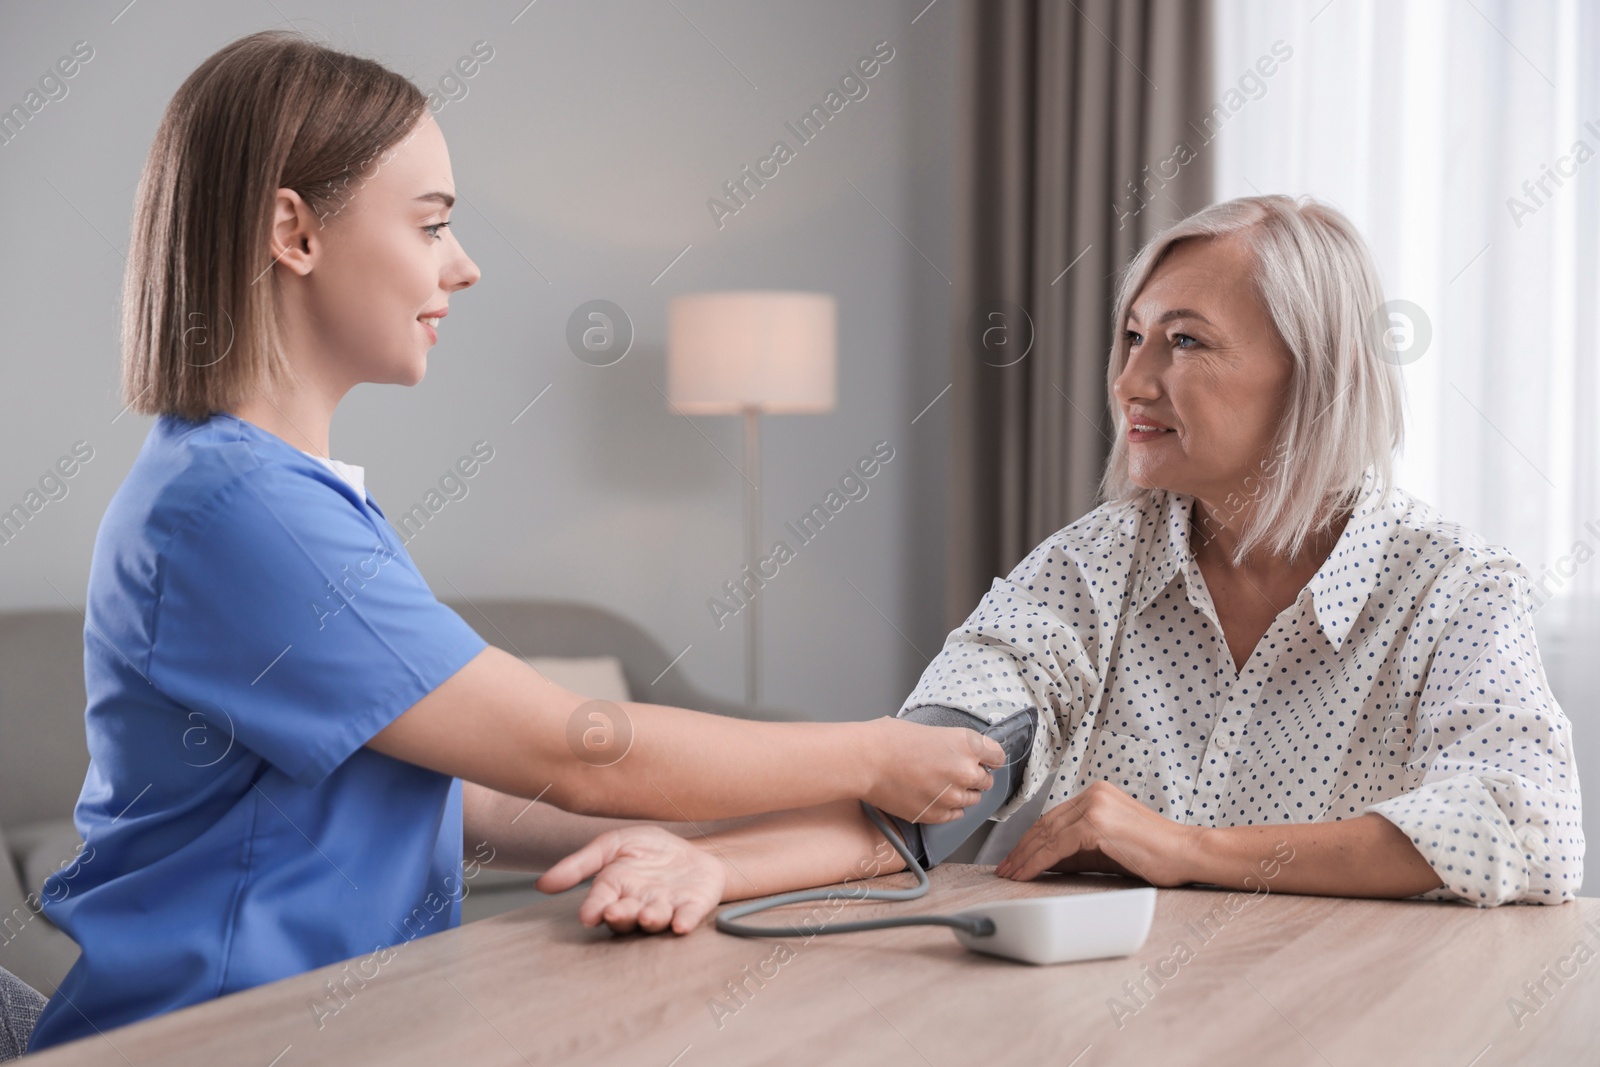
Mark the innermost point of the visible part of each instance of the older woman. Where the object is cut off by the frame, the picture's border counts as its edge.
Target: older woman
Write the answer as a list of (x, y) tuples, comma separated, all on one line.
[(1257, 656)]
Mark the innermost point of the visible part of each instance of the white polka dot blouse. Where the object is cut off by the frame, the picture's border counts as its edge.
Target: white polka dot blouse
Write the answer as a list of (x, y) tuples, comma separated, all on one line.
[(1404, 680)]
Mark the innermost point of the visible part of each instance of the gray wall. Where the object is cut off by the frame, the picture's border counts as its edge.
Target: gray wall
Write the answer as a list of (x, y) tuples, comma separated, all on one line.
[(584, 151)]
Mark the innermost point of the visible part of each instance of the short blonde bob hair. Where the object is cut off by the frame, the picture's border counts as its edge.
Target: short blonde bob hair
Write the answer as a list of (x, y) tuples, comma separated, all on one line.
[(200, 330), (1314, 276)]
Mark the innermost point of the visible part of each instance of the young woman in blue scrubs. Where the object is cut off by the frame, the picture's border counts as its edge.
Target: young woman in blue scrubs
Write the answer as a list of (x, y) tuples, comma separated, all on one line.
[(291, 739)]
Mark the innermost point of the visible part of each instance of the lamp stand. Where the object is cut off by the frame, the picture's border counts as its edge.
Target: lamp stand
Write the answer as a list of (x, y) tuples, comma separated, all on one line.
[(752, 554)]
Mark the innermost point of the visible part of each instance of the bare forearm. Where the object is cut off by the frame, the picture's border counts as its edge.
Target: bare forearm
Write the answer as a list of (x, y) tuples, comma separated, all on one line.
[(801, 849), (500, 723), (1363, 857), (683, 766)]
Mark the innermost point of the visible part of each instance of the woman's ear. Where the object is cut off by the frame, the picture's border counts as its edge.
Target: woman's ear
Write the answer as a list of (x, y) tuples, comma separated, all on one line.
[(292, 239)]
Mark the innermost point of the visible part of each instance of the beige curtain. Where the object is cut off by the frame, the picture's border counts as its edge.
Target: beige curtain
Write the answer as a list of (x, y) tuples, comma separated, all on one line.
[(1076, 148)]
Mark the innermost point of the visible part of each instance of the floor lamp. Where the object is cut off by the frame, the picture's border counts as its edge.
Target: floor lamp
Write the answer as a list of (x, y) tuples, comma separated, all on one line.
[(751, 354)]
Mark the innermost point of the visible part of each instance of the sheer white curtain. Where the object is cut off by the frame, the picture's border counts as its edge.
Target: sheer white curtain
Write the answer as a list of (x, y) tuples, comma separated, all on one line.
[(1463, 139)]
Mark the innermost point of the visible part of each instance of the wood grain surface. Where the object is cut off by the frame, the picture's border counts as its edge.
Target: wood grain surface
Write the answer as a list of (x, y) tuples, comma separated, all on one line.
[(1223, 978)]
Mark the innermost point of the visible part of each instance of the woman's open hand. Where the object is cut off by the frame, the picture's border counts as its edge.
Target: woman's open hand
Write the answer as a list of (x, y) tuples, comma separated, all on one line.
[(1104, 829), (930, 774), (645, 878)]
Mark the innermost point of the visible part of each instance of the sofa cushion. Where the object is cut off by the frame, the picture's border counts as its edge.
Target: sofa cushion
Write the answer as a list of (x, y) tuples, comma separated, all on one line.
[(11, 876), (31, 949), (42, 848)]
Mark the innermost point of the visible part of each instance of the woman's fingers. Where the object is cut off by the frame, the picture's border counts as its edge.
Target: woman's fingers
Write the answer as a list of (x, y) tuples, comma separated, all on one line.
[(928, 768), (989, 752), (1104, 829), (584, 863), (962, 800), (1055, 836), (600, 897), (1026, 864), (622, 915), (690, 914), (680, 913), (655, 914), (649, 879)]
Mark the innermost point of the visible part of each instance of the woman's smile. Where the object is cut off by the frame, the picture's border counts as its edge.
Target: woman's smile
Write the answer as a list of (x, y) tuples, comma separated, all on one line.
[(1144, 428), (430, 322)]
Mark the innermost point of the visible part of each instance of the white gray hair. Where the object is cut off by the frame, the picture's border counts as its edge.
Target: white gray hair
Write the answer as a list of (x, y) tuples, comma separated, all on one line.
[(1316, 279)]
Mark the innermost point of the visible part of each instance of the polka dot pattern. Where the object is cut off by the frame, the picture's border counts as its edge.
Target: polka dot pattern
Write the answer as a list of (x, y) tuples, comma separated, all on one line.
[(1404, 680)]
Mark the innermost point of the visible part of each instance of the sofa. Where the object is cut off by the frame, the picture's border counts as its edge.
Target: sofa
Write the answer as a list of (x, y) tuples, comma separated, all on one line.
[(43, 757)]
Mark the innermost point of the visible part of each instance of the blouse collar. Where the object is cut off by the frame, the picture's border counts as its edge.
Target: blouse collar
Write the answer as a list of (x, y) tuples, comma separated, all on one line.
[(1341, 585)]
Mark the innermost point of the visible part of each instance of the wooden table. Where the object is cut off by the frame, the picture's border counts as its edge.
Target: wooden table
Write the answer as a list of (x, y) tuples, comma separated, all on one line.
[(1275, 980)]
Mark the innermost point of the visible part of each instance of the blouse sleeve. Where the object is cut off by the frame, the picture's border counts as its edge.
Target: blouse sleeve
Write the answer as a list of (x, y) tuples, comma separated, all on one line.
[(294, 627), (1029, 643), (1497, 812)]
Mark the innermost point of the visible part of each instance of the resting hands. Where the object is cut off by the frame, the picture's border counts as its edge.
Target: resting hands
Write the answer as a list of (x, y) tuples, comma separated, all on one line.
[(645, 878), (1104, 829)]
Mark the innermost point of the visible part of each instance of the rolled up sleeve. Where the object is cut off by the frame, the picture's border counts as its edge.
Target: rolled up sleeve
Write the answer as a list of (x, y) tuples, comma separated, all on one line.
[(1497, 812)]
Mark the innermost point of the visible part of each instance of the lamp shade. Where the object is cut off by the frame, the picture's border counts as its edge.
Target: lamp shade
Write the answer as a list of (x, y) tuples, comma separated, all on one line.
[(772, 352)]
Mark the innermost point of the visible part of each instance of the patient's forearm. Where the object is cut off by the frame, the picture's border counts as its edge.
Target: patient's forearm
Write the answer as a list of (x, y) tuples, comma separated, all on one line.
[(801, 849), (1363, 857)]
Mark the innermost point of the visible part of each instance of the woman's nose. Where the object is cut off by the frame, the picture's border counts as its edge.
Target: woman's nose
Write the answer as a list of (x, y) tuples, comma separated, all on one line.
[(1137, 380), (462, 271)]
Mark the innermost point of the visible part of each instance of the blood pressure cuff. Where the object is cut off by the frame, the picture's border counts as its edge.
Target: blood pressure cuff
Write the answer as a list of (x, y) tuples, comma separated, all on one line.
[(930, 844)]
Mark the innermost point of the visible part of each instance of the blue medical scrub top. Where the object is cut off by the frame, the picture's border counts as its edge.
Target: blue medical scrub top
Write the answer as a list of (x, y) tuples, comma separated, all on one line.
[(251, 623)]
